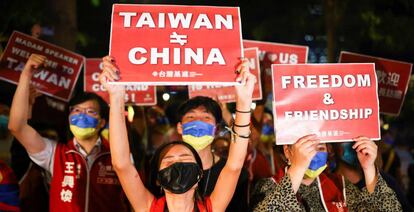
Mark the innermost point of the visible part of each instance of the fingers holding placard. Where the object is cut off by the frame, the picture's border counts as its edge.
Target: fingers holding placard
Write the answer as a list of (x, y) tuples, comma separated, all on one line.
[(110, 73)]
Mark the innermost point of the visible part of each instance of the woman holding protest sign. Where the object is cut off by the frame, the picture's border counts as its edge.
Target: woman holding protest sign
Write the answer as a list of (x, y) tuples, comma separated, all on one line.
[(306, 186), (178, 164)]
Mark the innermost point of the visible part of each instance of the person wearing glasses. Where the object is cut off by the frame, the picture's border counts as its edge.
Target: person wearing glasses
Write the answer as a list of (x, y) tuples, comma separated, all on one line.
[(82, 175)]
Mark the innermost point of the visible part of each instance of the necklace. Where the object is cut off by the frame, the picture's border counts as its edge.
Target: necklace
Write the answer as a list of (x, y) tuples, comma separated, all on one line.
[(208, 174)]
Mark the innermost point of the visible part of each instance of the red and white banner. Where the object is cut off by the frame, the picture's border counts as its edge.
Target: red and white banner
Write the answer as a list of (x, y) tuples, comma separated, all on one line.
[(176, 45), (135, 94), (277, 53), (393, 79), (335, 101), (56, 79), (227, 93)]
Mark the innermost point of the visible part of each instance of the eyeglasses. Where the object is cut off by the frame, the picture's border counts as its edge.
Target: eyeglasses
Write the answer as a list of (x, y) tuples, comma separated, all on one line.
[(89, 111)]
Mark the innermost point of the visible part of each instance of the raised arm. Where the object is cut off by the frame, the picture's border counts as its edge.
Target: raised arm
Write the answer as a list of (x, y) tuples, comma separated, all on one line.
[(367, 153), (227, 181), (377, 195), (139, 197), (19, 113), (300, 157)]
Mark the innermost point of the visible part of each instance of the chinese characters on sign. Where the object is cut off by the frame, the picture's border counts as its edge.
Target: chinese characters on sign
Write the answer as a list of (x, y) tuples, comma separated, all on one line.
[(175, 45), (393, 78), (335, 101)]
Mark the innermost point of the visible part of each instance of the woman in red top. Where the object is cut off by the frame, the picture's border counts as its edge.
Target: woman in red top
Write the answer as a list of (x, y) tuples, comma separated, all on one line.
[(179, 167)]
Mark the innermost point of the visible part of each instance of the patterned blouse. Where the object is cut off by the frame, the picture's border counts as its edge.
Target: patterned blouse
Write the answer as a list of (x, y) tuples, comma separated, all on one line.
[(280, 197)]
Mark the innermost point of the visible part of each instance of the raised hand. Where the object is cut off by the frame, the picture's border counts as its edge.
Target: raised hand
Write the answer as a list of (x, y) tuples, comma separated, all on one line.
[(244, 91), (35, 62), (300, 156), (366, 151), (111, 73), (303, 151)]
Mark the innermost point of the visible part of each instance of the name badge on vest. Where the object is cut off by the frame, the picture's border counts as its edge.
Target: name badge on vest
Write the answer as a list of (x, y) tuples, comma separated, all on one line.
[(340, 206), (107, 175)]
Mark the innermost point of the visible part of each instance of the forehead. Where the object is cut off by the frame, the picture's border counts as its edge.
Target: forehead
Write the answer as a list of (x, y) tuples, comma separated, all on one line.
[(88, 104), (199, 109), (178, 150)]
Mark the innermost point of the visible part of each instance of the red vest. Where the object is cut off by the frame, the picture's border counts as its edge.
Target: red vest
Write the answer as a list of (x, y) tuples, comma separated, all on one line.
[(332, 190), (75, 187), (158, 205)]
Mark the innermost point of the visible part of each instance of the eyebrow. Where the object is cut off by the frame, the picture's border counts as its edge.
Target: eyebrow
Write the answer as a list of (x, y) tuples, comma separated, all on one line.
[(85, 107), (322, 148), (201, 112), (182, 155)]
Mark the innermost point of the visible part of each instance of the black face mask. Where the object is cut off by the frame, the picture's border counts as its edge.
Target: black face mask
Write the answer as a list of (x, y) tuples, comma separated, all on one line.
[(179, 177)]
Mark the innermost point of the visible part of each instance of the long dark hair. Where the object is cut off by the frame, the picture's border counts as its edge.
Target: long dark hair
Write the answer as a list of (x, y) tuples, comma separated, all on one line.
[(155, 166)]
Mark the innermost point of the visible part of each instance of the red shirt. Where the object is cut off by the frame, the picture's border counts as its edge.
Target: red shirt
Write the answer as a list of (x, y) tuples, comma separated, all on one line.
[(158, 205)]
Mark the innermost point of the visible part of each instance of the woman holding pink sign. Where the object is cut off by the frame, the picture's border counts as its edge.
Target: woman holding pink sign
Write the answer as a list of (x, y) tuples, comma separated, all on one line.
[(178, 165)]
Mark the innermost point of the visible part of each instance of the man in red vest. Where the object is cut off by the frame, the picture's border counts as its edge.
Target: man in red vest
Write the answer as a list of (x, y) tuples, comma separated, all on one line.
[(82, 175)]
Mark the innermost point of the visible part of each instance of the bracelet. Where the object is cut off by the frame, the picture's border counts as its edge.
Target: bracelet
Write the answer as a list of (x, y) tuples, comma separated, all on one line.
[(240, 136), (234, 134), (244, 125), (239, 111)]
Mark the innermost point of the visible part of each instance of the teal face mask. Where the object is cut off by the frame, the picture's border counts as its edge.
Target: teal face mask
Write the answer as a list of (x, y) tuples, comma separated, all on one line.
[(4, 121), (349, 156), (4, 130)]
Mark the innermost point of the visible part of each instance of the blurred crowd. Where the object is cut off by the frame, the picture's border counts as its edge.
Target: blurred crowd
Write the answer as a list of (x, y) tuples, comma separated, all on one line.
[(151, 127)]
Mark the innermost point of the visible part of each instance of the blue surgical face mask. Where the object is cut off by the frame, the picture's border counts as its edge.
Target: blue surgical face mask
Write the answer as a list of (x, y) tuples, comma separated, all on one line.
[(349, 155), (198, 134)]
